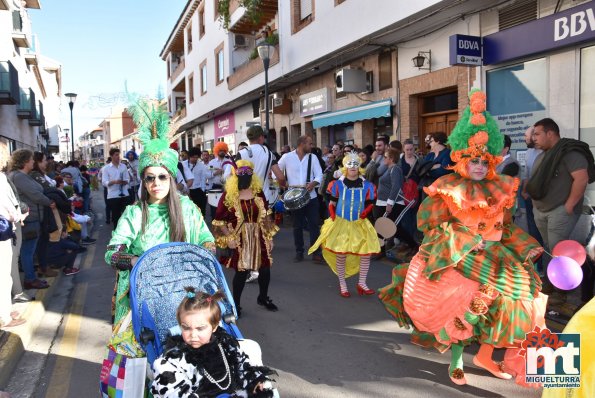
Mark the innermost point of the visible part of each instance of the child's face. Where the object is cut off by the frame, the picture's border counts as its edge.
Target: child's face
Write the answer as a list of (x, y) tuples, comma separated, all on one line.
[(196, 328)]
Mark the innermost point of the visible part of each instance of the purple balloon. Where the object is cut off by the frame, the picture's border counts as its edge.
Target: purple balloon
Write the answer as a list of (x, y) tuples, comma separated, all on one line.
[(564, 273)]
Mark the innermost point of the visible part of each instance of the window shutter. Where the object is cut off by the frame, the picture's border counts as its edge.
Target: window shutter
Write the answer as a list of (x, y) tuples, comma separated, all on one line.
[(517, 13), (305, 9)]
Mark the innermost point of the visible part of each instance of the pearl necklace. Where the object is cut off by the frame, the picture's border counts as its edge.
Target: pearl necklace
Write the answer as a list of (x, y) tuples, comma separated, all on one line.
[(227, 374)]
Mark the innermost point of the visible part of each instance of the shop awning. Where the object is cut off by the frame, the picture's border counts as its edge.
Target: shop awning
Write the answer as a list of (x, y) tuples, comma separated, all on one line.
[(372, 110)]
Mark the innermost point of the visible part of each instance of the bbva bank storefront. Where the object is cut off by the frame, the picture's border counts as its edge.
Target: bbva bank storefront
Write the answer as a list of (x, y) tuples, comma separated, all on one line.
[(544, 68)]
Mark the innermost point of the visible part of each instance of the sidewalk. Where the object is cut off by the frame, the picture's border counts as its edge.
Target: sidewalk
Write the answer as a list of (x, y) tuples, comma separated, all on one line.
[(14, 342)]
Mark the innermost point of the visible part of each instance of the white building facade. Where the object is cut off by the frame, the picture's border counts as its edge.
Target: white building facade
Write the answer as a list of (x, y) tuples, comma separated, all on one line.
[(30, 85)]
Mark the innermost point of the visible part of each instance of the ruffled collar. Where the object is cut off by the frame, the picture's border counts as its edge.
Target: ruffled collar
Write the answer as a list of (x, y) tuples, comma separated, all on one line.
[(462, 194)]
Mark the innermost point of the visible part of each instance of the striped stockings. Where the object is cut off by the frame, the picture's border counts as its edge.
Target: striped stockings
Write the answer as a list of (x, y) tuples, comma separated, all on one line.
[(341, 272), (364, 266)]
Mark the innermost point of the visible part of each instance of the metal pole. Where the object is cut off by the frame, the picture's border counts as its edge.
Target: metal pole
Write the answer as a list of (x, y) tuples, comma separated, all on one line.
[(266, 99), (71, 105)]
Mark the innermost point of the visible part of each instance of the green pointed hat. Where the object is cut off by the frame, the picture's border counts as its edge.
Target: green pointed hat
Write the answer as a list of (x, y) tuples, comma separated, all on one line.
[(152, 120), (476, 133)]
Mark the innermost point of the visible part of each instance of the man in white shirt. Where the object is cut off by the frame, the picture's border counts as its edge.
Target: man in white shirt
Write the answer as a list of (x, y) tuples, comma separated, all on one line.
[(198, 188), (115, 178), (263, 159), (303, 170), (108, 214)]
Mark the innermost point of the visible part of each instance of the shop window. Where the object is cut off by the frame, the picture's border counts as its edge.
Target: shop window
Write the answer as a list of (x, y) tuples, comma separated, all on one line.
[(517, 88), (517, 97), (587, 97)]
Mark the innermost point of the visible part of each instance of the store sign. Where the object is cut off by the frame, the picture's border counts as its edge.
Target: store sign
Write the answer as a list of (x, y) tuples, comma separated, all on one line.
[(514, 125), (573, 26), (224, 125), (314, 102), (464, 50)]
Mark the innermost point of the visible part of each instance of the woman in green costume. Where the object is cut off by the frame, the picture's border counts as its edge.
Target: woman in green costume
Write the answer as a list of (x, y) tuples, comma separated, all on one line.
[(161, 215)]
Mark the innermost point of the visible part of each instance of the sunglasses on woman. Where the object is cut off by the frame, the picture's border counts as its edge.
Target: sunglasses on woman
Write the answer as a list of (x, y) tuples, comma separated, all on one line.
[(150, 179)]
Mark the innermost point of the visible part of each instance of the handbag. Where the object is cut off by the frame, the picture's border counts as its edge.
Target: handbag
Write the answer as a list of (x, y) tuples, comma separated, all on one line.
[(123, 373), (410, 191), (122, 377), (30, 230)]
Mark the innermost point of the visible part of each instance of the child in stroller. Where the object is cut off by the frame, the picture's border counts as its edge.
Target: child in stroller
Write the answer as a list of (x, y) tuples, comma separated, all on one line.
[(205, 360)]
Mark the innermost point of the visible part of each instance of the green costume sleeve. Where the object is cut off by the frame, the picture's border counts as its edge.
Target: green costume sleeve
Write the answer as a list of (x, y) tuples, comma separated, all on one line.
[(128, 229)]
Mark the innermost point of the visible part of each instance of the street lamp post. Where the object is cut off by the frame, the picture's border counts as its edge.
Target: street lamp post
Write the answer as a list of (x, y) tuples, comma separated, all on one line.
[(67, 140), (71, 100), (265, 52)]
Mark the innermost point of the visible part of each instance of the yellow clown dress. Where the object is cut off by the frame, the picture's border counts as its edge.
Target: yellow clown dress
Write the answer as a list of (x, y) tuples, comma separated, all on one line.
[(348, 233)]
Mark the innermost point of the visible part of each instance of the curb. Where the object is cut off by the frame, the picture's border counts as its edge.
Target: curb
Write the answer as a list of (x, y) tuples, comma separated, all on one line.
[(13, 343)]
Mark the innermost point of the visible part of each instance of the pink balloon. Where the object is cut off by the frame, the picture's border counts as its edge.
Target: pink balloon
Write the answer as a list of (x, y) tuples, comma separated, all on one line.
[(564, 273), (572, 249)]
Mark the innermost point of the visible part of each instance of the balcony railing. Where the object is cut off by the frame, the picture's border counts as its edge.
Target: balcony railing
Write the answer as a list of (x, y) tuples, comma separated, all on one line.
[(250, 69), (9, 83), (21, 29), (36, 114), (178, 70), (26, 107)]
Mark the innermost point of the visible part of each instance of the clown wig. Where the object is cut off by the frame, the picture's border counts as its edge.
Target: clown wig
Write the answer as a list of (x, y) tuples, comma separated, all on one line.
[(232, 193)]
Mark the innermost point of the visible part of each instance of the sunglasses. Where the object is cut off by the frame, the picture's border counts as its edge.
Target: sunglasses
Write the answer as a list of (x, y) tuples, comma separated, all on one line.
[(150, 179), (478, 161)]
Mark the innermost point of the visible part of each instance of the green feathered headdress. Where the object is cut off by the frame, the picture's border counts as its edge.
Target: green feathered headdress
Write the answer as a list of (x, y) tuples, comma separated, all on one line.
[(152, 120), (476, 135)]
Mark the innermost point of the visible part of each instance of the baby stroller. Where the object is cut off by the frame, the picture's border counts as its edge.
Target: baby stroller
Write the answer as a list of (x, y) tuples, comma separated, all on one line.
[(157, 284)]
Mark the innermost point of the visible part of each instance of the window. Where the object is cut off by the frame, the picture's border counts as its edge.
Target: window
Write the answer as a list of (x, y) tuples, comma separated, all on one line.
[(305, 9), (219, 64), (515, 113), (216, 9), (190, 88), (201, 22), (587, 97), (385, 73), (203, 77), (189, 38), (302, 14), (517, 13)]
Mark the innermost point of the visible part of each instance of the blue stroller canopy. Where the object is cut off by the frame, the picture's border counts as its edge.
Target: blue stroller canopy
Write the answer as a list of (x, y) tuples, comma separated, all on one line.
[(157, 284)]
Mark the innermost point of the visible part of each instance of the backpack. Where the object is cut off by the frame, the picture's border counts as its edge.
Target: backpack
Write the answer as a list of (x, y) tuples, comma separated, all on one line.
[(410, 189)]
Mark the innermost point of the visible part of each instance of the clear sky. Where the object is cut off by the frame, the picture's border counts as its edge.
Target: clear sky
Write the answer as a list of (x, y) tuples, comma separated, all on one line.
[(102, 44)]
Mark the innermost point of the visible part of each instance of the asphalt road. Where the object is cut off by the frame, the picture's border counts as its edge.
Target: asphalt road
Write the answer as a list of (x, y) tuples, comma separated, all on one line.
[(322, 345)]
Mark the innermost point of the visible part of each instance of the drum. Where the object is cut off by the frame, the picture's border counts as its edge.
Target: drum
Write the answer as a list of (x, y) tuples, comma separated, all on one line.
[(273, 194), (295, 198), (214, 196)]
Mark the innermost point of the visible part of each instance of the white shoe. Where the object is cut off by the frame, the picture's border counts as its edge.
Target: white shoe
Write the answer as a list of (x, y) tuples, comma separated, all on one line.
[(253, 276)]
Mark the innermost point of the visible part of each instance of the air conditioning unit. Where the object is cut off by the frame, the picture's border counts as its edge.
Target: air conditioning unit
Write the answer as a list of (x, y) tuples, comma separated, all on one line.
[(239, 41), (350, 80)]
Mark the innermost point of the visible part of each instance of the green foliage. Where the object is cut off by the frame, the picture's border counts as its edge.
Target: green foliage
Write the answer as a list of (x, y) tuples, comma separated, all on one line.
[(252, 10), (460, 135)]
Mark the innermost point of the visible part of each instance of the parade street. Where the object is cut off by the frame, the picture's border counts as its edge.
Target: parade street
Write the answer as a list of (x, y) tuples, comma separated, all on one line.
[(322, 345)]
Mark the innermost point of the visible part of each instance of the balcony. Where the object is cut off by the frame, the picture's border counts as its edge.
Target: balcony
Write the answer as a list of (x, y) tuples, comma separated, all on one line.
[(250, 69), (26, 106), (178, 69), (21, 29), (9, 84), (36, 114), (246, 24)]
